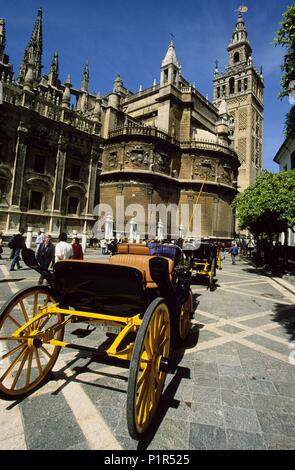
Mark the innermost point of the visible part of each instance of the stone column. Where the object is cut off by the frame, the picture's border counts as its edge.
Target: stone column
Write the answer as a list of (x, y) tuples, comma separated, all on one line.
[(58, 183), (19, 166), (181, 231), (92, 175), (190, 199)]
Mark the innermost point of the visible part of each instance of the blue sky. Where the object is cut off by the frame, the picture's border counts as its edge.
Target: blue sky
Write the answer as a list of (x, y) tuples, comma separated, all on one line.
[(131, 38)]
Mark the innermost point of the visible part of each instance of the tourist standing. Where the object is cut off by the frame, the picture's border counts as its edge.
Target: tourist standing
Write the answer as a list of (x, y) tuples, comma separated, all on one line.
[(63, 250), (234, 252), (39, 241), (77, 248), (45, 255), (223, 252), (16, 244)]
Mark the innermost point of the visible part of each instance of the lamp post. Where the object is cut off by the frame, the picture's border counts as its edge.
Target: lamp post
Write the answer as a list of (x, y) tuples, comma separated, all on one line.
[(181, 231), (109, 227), (132, 230)]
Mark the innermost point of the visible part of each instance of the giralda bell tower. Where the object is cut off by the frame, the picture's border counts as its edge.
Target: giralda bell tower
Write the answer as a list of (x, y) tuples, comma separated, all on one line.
[(241, 86)]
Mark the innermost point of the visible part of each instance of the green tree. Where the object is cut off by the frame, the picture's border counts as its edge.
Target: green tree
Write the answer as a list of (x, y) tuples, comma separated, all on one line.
[(285, 37), (268, 206), (290, 123)]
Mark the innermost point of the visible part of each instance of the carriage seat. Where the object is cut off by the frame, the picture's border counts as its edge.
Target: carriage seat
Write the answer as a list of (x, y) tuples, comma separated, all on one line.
[(132, 249), (140, 262)]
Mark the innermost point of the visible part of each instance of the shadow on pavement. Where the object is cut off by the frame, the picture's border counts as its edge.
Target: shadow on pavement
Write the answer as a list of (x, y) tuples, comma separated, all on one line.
[(167, 401), (285, 316)]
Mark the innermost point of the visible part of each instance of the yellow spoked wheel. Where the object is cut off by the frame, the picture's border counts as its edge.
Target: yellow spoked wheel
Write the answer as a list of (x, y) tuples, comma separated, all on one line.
[(185, 317), (146, 376), (26, 361)]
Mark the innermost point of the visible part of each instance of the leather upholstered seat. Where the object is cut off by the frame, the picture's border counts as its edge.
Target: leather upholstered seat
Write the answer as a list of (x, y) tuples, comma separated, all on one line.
[(140, 262), (132, 249)]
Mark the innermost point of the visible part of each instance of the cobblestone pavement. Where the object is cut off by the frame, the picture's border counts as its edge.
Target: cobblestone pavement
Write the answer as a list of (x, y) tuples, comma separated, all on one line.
[(233, 388)]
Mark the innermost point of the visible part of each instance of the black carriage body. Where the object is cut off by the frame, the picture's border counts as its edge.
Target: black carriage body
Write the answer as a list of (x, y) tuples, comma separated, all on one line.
[(100, 287)]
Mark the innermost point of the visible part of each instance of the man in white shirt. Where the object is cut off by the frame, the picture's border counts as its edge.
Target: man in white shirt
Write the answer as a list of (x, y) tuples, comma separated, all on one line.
[(39, 240), (63, 250)]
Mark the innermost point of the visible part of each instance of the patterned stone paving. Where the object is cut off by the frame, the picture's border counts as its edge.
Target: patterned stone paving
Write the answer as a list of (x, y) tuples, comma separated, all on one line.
[(233, 387)]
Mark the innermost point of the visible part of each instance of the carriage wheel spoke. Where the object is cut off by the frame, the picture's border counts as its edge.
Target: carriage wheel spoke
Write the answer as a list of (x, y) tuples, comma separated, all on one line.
[(141, 390), (153, 330), (46, 352), (20, 370), (11, 351), (151, 335), (152, 394), (23, 363), (147, 402), (40, 327), (161, 335), (34, 313), (143, 376), (141, 402), (38, 361), (147, 347), (13, 364), (25, 313), (14, 321), (29, 368), (46, 300)]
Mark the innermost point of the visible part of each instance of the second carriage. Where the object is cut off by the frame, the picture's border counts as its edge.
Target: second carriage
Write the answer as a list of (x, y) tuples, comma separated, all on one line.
[(204, 258)]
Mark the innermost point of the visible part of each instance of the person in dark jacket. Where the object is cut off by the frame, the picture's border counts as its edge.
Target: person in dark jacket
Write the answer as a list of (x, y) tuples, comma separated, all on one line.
[(45, 255), (77, 249), (17, 244), (234, 250)]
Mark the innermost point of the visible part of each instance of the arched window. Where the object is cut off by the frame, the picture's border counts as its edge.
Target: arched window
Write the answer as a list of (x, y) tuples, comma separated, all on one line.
[(231, 85), (236, 57)]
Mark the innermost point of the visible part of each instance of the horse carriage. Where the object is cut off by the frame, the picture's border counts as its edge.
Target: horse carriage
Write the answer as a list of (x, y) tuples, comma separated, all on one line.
[(144, 299), (203, 259)]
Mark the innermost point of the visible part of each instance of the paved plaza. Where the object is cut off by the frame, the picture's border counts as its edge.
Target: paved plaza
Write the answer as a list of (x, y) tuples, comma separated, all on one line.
[(233, 387)]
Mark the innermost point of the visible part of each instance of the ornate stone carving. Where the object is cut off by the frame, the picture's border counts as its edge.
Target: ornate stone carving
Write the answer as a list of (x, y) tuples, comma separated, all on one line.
[(137, 155), (146, 158), (127, 157), (161, 162), (113, 160), (243, 119), (242, 149), (225, 174), (95, 153), (204, 167), (62, 143)]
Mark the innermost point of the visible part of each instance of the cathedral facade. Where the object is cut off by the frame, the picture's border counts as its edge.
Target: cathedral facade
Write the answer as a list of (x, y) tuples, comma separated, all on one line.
[(63, 151)]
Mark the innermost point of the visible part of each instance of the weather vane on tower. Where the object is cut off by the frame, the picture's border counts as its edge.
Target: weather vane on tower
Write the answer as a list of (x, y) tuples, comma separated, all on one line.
[(242, 9)]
